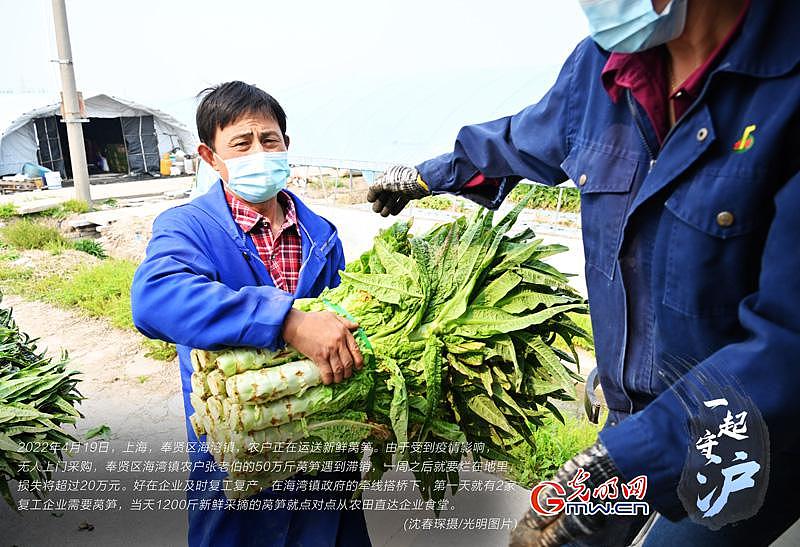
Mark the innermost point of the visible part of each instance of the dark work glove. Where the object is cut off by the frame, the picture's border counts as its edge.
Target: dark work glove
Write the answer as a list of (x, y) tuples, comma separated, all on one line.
[(394, 188), (535, 530)]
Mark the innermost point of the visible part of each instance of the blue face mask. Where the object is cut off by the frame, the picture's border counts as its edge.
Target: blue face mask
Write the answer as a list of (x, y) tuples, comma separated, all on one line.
[(258, 177), (628, 26)]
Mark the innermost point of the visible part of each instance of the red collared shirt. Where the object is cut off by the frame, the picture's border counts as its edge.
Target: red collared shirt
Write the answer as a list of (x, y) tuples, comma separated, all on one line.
[(282, 253), (645, 74)]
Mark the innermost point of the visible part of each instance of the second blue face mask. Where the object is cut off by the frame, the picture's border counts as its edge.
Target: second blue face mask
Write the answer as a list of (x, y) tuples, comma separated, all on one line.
[(258, 177), (628, 26)]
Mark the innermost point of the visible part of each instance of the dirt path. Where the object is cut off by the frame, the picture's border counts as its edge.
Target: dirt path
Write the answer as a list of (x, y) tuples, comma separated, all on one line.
[(112, 363)]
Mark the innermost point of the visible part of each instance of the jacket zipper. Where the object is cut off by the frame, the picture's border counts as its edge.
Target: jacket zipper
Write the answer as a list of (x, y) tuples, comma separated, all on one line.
[(640, 129), (642, 135)]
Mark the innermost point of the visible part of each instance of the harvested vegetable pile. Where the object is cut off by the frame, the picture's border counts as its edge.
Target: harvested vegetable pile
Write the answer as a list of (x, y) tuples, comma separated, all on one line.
[(457, 331), (37, 396)]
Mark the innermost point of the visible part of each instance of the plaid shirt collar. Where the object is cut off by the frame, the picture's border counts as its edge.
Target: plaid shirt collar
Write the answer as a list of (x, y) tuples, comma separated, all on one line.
[(249, 219)]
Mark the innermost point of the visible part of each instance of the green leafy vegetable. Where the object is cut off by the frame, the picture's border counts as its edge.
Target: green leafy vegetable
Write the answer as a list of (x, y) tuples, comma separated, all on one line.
[(458, 327), (37, 396)]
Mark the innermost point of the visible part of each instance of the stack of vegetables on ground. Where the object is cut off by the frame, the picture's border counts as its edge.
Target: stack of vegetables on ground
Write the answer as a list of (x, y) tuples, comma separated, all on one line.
[(458, 331), (37, 396)]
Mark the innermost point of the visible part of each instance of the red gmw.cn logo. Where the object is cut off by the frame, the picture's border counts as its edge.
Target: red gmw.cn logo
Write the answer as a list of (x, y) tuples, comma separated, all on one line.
[(550, 498)]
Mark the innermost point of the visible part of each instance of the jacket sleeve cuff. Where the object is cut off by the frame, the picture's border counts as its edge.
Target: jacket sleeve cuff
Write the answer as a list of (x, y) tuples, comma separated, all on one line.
[(654, 443), (266, 327), (435, 173), (438, 175)]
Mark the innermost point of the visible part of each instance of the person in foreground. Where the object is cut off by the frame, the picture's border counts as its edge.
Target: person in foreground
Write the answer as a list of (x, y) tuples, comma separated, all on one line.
[(679, 122), (223, 271)]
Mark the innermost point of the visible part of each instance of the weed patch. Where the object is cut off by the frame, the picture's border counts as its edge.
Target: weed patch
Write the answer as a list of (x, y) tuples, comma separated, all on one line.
[(556, 443), (27, 234), (8, 210)]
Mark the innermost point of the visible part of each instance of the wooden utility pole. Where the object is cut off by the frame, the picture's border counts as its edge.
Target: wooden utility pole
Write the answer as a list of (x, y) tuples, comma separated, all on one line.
[(72, 110)]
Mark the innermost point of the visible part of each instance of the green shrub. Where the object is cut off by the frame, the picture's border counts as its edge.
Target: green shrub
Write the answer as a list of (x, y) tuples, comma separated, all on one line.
[(92, 247), (56, 247), (75, 206), (28, 234), (8, 210)]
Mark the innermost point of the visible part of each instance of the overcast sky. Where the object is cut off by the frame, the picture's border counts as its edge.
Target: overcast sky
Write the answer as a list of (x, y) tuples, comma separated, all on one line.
[(163, 52), (172, 48)]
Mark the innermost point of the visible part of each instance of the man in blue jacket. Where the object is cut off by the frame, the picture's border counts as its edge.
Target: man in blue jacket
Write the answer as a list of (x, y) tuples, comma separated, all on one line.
[(223, 270), (679, 121)]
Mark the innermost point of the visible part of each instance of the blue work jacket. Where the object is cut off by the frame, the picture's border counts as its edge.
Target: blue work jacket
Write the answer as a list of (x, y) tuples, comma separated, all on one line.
[(203, 285), (716, 225)]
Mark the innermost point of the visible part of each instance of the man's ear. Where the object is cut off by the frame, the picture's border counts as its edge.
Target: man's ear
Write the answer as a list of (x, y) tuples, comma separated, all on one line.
[(286, 141), (208, 155)]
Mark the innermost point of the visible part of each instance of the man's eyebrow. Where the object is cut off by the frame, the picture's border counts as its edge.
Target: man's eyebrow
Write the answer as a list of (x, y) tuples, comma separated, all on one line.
[(269, 133), (246, 135)]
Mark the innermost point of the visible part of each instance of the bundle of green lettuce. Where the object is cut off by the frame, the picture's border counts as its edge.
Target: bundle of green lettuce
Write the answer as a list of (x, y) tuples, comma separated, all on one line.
[(459, 329)]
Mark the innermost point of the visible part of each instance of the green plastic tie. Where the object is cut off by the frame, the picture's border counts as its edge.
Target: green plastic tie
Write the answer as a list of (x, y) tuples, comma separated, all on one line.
[(360, 334)]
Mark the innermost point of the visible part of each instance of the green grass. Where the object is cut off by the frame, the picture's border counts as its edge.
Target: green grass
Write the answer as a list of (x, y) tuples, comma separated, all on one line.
[(555, 444), (9, 255), (583, 321), (160, 350), (7, 210), (27, 234), (99, 290), (15, 278), (546, 197), (69, 207), (75, 206), (438, 203), (92, 247)]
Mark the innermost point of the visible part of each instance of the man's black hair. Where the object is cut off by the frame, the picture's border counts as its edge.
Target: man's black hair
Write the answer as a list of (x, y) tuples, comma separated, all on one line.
[(224, 104)]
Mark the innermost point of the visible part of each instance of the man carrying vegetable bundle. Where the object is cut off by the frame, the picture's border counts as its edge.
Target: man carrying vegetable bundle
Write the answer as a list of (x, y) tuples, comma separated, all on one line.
[(678, 121), (224, 270)]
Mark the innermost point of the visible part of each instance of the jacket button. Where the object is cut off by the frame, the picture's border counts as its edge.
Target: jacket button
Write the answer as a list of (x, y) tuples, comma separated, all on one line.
[(582, 179), (725, 219), (702, 133)]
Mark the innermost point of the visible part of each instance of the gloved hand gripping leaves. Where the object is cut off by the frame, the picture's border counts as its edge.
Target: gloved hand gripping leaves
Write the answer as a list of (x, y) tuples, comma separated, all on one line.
[(394, 188)]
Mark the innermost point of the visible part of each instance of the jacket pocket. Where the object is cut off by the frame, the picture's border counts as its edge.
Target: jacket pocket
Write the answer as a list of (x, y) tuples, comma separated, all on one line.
[(716, 239), (604, 180)]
